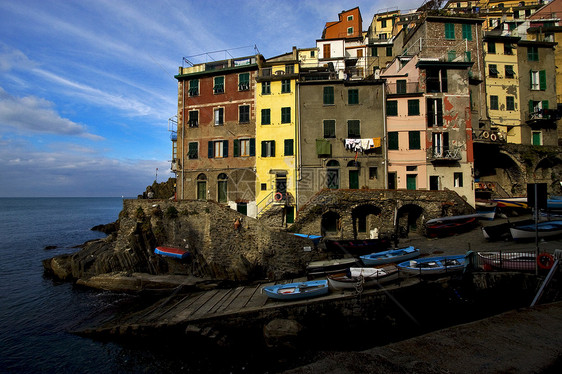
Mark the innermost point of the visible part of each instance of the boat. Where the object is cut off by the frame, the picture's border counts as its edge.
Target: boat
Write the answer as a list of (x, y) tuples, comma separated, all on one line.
[(512, 202), (320, 268), (315, 238), (554, 203), (180, 253), (392, 255), (296, 291), (545, 229), (501, 231), (446, 226), (363, 277), (434, 265), (508, 260), (357, 247)]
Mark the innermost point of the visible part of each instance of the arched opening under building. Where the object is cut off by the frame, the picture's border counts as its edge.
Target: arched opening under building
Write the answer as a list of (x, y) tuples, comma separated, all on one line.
[(366, 222), (222, 188), (330, 225), (409, 219), (333, 174)]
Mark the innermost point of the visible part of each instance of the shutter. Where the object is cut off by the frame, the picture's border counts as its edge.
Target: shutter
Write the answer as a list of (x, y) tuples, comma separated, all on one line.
[(445, 141), (531, 107), (531, 79), (430, 112), (263, 149), (439, 112), (210, 153), (225, 148), (542, 79), (273, 148), (252, 147), (236, 144)]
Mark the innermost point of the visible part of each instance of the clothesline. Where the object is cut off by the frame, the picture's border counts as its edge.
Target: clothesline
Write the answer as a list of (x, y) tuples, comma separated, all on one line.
[(362, 145)]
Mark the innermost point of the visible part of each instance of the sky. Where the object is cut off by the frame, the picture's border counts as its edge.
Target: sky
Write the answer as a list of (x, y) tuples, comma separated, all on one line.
[(87, 87)]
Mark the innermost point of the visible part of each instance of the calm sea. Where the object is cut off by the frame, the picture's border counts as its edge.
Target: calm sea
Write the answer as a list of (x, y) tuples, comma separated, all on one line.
[(37, 313)]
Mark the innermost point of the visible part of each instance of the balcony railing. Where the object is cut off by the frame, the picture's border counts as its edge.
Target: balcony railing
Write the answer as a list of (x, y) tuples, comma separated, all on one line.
[(444, 154), (401, 88)]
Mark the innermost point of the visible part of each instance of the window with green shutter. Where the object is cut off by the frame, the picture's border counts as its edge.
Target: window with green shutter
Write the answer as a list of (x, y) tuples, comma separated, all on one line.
[(268, 148), (329, 128), (266, 116), (193, 152), (328, 96), (392, 108), (244, 82), (194, 87), (289, 147), (532, 53), (491, 47), (374, 52), (510, 103), (542, 80), (285, 86), (286, 115), (353, 96), (467, 32), (388, 51), (414, 107), (218, 86), (393, 140), (353, 129), (266, 88), (449, 31), (401, 86), (414, 140), (494, 103)]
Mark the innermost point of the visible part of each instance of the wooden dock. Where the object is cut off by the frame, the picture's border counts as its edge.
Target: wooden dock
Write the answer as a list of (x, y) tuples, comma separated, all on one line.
[(220, 305)]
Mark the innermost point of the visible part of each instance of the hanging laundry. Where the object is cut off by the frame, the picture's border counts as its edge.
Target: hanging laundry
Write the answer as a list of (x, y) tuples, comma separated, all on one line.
[(376, 142)]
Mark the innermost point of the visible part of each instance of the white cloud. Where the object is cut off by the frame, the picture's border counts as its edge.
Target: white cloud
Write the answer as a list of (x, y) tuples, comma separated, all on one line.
[(36, 115)]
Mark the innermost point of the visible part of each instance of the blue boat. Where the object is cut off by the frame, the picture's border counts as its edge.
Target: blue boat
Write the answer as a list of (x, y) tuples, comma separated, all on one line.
[(554, 203), (315, 238), (182, 254), (434, 265), (545, 229), (392, 255), (295, 291)]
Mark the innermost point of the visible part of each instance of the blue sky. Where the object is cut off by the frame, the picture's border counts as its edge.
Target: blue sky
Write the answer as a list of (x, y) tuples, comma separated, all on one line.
[(87, 87)]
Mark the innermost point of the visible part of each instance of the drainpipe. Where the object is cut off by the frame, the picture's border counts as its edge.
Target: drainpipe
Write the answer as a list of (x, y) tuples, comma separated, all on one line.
[(298, 168), (384, 135), (182, 137)]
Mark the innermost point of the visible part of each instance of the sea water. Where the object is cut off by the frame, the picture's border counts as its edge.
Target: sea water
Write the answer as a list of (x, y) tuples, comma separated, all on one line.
[(38, 314)]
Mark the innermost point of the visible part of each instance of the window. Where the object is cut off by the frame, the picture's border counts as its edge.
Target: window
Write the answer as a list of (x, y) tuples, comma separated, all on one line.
[(436, 80), (219, 119), (218, 148), (393, 140), (266, 72), (201, 187), (383, 23), (440, 143), (268, 148), (532, 53), (392, 108), (328, 96), (222, 188), (510, 103), (434, 112), (494, 103), (244, 82), (353, 129), (244, 114), (290, 69), (414, 107), (350, 18), (263, 186), (536, 138), (329, 128), (359, 53), (266, 116), (289, 148), (401, 86), (466, 32), (266, 88), (193, 120), (449, 31), (493, 70), (312, 53), (353, 96), (373, 172), (414, 140), (326, 50), (285, 86), (509, 73), (194, 87), (491, 47), (458, 179), (244, 147), (350, 31), (193, 150), (388, 51), (374, 51), (286, 115), (538, 80), (507, 49), (218, 86)]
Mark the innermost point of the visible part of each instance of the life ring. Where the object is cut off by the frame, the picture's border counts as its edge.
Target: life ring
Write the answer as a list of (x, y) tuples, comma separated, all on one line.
[(482, 186), (500, 136), (278, 196), (493, 137), (545, 261), (490, 186), (485, 135)]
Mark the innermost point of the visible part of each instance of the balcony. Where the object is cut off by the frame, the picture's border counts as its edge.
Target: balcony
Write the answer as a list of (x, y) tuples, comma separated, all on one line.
[(444, 154), (543, 118), (403, 88)]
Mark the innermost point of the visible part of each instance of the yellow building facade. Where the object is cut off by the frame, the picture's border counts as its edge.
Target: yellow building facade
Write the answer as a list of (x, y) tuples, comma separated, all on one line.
[(276, 134)]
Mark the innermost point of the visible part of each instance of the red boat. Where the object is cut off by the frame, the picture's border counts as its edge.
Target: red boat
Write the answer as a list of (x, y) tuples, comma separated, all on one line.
[(447, 226)]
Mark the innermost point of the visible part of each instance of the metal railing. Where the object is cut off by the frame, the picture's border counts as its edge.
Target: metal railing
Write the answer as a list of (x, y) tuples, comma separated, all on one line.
[(402, 88), (522, 260)]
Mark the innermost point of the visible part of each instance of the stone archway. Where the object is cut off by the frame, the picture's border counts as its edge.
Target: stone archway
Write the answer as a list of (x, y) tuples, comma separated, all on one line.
[(510, 175), (409, 218), (549, 170), (367, 221), (330, 224)]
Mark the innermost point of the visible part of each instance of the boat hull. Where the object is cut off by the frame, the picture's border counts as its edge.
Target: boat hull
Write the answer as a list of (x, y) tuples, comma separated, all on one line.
[(357, 247), (297, 291), (545, 229), (447, 227), (365, 279), (508, 260), (390, 256), (179, 253), (319, 268), (434, 265)]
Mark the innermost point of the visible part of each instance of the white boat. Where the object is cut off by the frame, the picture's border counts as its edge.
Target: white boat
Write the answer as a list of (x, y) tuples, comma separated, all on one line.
[(545, 229), (363, 277), (508, 260)]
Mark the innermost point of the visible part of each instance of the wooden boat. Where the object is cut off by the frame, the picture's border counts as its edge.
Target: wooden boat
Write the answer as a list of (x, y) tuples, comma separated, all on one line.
[(315, 238), (508, 260), (546, 229), (363, 277), (501, 231), (357, 247), (434, 265), (512, 202), (180, 253), (392, 255), (446, 226), (319, 268), (554, 203), (295, 291)]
